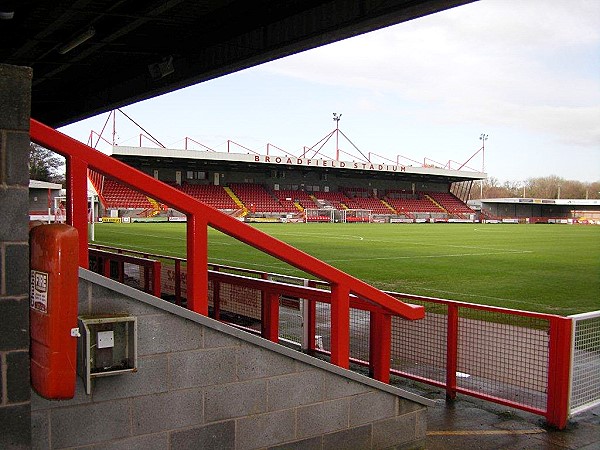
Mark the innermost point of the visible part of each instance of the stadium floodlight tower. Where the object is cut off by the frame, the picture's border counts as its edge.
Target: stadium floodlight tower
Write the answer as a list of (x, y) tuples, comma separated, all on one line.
[(483, 137), (337, 119)]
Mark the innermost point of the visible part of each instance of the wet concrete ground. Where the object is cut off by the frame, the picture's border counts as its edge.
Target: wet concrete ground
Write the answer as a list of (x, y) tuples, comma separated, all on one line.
[(468, 423)]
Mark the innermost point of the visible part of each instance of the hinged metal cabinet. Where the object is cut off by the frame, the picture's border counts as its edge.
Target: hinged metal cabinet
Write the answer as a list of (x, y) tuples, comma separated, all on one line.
[(108, 346)]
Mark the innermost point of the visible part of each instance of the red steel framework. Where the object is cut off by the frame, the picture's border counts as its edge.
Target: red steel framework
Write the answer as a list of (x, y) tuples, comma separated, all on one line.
[(462, 339), (80, 158)]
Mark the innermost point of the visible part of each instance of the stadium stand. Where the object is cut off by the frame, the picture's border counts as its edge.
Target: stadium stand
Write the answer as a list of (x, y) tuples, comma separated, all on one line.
[(117, 195), (450, 203), (337, 200), (373, 204), (257, 199), (355, 191), (419, 204), (214, 196), (288, 198)]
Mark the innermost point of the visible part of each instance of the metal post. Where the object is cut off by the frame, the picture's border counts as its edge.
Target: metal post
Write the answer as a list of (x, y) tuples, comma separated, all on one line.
[(156, 287), (337, 118), (340, 325), (451, 352), (197, 264), (305, 311), (311, 319), (93, 220), (270, 316), (559, 369), (178, 282), (77, 204), (483, 137), (380, 344)]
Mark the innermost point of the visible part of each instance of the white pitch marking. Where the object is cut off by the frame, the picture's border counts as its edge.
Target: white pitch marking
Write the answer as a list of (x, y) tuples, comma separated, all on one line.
[(450, 255), (173, 238)]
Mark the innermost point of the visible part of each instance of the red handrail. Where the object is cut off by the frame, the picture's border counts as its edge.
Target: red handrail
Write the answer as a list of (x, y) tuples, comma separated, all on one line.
[(80, 157)]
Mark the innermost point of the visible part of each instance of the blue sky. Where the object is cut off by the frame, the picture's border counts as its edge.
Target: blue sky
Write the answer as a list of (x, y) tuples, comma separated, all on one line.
[(526, 73)]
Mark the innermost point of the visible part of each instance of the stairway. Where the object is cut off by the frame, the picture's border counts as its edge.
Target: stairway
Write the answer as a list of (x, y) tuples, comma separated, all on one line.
[(237, 201)]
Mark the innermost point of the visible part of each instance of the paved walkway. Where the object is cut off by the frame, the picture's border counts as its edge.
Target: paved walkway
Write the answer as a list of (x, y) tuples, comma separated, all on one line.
[(468, 423)]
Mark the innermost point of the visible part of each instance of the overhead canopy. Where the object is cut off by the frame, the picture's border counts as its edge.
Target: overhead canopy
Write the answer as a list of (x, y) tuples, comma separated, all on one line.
[(90, 56)]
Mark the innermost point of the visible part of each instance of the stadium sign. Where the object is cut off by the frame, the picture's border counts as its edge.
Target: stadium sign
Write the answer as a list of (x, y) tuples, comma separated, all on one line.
[(307, 162)]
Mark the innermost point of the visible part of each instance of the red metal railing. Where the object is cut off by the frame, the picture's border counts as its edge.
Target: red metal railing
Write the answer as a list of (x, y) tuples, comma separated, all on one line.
[(102, 262), (80, 158), (515, 358)]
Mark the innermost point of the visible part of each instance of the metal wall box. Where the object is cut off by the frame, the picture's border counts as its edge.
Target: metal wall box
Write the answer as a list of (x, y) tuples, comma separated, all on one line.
[(108, 346)]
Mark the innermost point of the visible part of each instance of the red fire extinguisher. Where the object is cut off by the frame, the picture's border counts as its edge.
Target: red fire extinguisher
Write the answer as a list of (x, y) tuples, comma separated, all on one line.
[(53, 310)]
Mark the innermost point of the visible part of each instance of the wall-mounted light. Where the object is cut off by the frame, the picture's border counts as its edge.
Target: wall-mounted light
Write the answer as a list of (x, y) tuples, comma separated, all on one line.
[(77, 41)]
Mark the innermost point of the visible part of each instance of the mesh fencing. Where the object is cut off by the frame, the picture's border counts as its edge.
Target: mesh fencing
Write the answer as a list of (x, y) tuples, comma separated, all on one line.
[(241, 304), (290, 323), (359, 334), (499, 354), (419, 347), (504, 356), (323, 326), (585, 377)]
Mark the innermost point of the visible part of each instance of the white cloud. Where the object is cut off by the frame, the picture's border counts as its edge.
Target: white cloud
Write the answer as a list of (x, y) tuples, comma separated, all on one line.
[(525, 71), (497, 62)]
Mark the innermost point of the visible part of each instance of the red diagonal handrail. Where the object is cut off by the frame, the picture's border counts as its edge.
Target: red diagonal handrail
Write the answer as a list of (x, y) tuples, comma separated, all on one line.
[(80, 157)]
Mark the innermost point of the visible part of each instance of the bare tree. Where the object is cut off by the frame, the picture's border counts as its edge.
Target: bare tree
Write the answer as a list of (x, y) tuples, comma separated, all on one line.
[(45, 165), (551, 187)]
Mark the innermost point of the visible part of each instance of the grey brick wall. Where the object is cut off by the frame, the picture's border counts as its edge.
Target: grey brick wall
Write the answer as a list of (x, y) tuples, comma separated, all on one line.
[(204, 385), (15, 100)]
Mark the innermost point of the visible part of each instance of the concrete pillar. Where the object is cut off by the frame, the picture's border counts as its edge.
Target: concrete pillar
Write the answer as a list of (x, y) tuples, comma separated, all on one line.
[(15, 391)]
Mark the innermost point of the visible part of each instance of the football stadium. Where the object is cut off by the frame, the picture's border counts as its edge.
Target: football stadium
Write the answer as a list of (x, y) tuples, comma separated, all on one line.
[(502, 276), (405, 229), (328, 298)]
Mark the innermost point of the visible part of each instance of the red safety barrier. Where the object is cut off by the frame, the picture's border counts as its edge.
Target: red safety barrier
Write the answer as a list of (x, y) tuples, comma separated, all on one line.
[(149, 276), (515, 358)]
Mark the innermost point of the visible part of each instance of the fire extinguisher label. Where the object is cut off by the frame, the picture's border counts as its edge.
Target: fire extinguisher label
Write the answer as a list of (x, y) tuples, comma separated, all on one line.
[(39, 291)]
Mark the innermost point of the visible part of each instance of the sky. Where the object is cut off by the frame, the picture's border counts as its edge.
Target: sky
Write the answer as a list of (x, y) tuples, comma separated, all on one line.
[(526, 74)]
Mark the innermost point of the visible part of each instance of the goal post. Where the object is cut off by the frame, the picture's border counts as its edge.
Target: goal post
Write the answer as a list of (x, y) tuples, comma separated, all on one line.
[(338, 215), (319, 215), (358, 215)]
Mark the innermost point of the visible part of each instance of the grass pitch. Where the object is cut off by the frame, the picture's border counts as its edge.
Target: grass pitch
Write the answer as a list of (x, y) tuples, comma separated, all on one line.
[(545, 268)]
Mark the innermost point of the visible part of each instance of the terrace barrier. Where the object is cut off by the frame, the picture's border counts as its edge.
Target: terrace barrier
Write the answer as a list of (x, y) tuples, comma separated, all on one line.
[(515, 358), (80, 158)]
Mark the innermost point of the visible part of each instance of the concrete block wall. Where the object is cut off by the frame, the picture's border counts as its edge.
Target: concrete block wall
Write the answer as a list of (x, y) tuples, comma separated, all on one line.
[(204, 385), (15, 100)]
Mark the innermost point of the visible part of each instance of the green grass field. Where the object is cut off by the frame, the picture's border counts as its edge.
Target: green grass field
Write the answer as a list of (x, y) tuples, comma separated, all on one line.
[(545, 268)]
